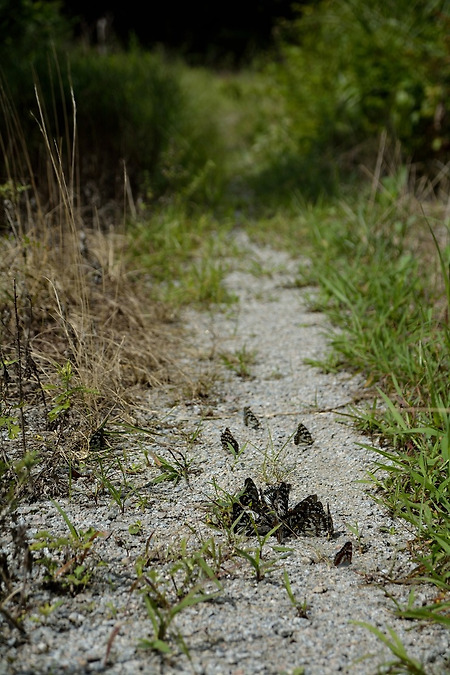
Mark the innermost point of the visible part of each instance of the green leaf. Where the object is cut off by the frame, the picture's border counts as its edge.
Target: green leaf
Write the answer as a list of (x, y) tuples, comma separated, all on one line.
[(67, 520)]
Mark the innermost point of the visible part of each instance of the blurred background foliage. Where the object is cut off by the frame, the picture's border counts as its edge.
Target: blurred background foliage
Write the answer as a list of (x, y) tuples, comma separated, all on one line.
[(300, 116), (349, 70)]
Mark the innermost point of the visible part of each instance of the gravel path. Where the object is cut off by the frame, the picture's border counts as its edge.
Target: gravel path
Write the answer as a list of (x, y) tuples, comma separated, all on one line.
[(250, 626)]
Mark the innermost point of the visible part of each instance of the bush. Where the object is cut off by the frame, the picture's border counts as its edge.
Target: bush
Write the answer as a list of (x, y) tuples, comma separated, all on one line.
[(130, 110), (352, 69)]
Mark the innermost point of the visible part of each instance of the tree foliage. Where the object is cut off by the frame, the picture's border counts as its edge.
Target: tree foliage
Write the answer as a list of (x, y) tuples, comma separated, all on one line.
[(351, 69)]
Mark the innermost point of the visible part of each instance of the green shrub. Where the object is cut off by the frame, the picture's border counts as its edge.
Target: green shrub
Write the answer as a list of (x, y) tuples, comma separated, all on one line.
[(349, 70), (133, 110)]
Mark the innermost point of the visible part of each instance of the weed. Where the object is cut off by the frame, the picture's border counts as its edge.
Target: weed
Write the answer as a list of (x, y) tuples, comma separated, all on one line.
[(166, 595), (11, 425), (221, 507), (104, 476), (300, 607), (403, 661), (273, 469), (64, 558), (63, 401), (240, 362), (136, 528), (179, 468), (357, 533), (47, 609), (255, 557), (438, 611)]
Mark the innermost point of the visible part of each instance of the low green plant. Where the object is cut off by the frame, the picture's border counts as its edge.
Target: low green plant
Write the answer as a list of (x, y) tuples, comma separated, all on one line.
[(390, 327), (182, 252), (438, 611), (191, 437), (274, 468), (255, 557), (65, 559), (14, 476), (240, 362), (403, 662), (301, 608), (105, 471), (221, 507), (179, 588), (10, 423), (357, 533), (136, 528), (47, 609), (179, 468), (63, 400)]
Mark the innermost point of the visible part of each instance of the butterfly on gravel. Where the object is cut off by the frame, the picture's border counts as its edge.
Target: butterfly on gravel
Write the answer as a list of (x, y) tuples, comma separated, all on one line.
[(248, 509), (251, 495), (309, 518), (229, 441), (264, 510), (276, 497), (250, 419), (302, 436), (343, 557), (242, 520)]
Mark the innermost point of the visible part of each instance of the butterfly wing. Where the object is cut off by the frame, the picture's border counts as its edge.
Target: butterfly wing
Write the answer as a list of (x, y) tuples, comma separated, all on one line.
[(277, 498), (228, 440), (343, 557), (250, 418), (250, 495), (303, 436), (309, 518)]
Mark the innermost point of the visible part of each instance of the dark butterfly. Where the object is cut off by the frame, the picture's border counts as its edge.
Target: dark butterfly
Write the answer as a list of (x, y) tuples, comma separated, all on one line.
[(343, 557), (277, 498), (228, 440), (262, 511), (250, 496), (302, 436), (97, 441), (241, 520), (309, 518), (250, 418), (247, 510)]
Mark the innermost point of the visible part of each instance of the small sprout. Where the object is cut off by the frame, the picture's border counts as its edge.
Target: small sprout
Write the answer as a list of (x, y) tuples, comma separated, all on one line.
[(136, 528), (300, 607)]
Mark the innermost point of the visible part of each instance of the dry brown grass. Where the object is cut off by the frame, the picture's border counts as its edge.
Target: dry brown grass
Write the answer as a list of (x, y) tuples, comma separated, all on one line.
[(65, 291)]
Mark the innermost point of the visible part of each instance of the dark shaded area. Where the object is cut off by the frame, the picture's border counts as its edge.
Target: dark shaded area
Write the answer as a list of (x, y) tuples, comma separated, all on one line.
[(228, 33)]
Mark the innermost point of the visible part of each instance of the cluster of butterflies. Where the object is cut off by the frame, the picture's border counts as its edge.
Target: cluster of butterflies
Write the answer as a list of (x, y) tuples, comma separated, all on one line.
[(301, 437), (261, 511)]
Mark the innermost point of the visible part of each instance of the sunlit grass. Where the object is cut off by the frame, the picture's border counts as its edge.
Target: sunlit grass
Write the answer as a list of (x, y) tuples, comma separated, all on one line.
[(182, 257), (391, 317)]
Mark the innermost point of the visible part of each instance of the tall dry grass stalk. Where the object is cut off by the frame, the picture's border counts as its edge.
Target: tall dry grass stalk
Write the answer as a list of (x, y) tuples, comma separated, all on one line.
[(75, 298)]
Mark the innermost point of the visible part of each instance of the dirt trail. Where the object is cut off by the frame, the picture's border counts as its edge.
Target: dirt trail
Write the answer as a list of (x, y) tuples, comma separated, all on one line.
[(251, 627)]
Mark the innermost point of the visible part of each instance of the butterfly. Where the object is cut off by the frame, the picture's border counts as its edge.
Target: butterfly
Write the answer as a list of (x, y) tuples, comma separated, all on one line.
[(250, 495), (248, 511), (97, 441), (229, 441), (242, 520), (250, 418), (310, 519), (303, 436), (343, 557), (263, 510), (277, 498)]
